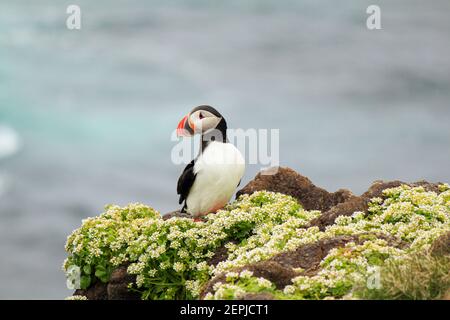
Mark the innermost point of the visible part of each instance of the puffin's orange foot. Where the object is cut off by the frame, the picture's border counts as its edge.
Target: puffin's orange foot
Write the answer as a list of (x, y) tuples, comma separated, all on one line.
[(198, 220)]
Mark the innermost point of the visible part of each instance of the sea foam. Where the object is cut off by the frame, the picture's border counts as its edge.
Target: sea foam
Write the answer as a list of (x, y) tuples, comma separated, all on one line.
[(9, 141)]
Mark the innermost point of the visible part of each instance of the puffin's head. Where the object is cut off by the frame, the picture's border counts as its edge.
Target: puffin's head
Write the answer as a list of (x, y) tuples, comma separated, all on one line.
[(200, 120)]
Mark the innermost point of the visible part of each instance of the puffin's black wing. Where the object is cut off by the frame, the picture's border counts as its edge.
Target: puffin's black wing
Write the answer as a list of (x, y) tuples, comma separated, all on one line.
[(185, 182)]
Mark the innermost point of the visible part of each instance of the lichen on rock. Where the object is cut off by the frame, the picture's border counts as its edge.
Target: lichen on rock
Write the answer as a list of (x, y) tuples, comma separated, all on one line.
[(266, 244)]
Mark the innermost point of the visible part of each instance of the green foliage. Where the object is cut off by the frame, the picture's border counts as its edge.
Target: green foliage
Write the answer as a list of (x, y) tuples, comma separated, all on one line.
[(418, 276), (101, 240), (239, 284), (413, 215), (170, 258)]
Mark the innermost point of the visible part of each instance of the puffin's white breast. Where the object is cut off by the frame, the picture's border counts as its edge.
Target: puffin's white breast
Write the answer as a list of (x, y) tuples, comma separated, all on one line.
[(218, 171)]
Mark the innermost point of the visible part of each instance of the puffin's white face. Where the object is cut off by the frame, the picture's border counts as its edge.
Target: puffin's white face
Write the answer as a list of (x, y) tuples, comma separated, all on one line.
[(202, 121), (199, 121)]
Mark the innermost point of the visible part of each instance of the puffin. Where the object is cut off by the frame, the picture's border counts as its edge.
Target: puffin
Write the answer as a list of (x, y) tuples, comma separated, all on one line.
[(209, 181)]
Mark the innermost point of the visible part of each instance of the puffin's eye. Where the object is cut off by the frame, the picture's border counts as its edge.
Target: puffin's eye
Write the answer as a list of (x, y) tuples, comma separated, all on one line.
[(200, 116)]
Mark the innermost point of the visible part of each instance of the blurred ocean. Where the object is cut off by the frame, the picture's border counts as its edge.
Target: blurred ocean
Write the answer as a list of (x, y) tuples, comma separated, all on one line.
[(86, 116)]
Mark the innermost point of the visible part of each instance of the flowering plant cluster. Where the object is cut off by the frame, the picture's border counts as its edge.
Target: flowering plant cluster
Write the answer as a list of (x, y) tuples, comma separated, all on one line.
[(170, 258), (102, 242), (239, 284), (76, 298), (412, 215)]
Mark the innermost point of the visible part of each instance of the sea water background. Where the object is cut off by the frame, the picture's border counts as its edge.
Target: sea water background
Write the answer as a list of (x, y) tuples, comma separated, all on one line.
[(86, 116)]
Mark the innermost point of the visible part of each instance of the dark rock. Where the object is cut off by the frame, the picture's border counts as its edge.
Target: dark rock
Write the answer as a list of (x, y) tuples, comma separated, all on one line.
[(377, 187), (270, 270), (428, 186), (360, 203), (347, 208), (97, 291), (287, 181), (115, 289), (441, 245), (118, 285), (273, 271), (279, 269), (309, 256), (339, 203), (221, 254)]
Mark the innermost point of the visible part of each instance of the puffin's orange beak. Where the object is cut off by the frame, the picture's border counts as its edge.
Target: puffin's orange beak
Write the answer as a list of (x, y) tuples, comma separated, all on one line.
[(184, 129)]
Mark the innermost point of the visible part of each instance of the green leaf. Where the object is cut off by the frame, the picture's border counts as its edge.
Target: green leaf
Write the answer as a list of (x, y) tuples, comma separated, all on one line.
[(85, 281), (87, 269), (100, 273), (104, 278)]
